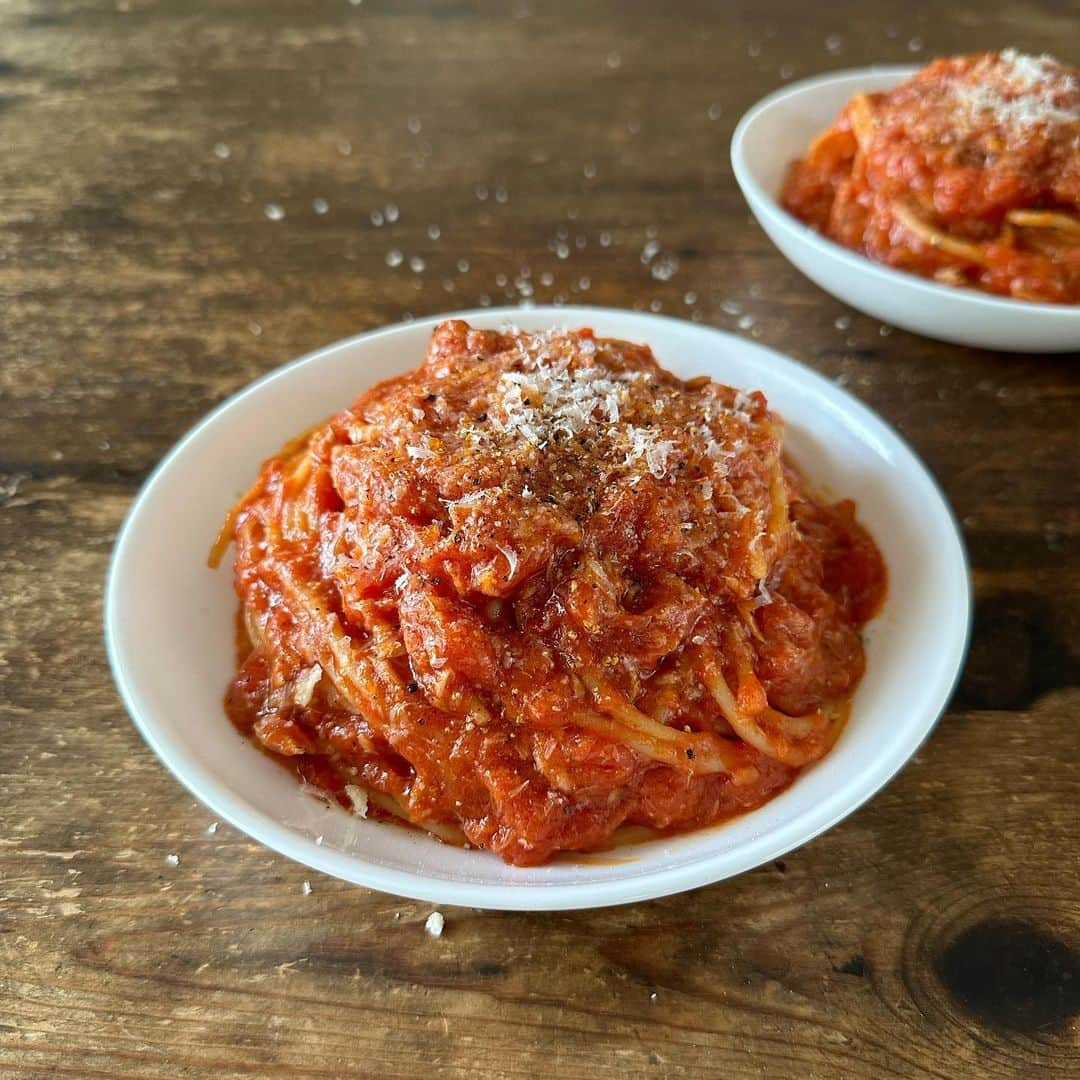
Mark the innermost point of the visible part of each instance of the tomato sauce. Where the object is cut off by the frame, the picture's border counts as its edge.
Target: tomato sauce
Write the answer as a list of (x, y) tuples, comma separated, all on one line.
[(967, 173), (532, 591)]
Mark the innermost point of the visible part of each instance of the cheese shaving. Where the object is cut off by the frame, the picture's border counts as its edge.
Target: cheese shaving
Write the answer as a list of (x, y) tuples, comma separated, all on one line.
[(423, 452), (359, 799), (645, 446), (304, 685), (511, 558), (763, 598)]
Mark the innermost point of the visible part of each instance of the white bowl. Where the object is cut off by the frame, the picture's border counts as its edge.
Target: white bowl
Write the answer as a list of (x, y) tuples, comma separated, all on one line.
[(779, 129), (169, 625)]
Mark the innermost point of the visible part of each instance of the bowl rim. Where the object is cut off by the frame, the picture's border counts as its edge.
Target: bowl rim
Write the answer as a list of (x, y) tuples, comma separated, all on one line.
[(768, 204), (635, 887)]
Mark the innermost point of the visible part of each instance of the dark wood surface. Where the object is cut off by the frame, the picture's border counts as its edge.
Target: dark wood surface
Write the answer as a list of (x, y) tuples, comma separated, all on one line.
[(934, 933)]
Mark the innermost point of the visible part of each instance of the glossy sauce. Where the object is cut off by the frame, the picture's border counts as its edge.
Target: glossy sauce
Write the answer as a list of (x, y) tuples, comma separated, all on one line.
[(960, 145), (485, 547)]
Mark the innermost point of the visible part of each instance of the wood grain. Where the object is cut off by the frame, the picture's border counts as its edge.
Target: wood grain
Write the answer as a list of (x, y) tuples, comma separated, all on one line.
[(935, 933)]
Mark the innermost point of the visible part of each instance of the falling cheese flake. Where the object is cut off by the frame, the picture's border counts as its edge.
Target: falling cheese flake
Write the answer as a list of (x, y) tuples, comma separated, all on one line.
[(434, 924)]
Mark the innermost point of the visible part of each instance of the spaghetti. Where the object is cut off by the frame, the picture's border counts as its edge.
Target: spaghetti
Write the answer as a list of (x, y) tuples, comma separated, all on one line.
[(540, 588), (967, 173)]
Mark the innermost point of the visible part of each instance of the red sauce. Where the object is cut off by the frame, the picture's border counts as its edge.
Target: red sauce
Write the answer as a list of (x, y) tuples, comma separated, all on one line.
[(968, 173), (517, 595)]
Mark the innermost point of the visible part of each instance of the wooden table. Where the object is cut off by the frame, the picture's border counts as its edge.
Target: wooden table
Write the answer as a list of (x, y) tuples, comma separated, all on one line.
[(193, 193)]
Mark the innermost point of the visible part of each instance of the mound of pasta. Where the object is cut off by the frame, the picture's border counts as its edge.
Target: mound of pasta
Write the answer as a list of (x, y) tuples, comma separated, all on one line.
[(539, 589), (967, 173)]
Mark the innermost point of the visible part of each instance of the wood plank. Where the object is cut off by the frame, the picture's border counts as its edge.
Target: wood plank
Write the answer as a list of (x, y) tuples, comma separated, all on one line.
[(935, 933)]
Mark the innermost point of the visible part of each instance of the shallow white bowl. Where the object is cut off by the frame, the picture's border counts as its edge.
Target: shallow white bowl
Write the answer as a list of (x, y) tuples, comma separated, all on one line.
[(779, 129), (169, 625)]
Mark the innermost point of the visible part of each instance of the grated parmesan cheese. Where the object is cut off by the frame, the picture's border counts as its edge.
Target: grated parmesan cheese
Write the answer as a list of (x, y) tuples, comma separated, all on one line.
[(562, 391), (1025, 71), (434, 924), (512, 561), (1019, 92), (359, 799), (763, 598), (645, 446), (743, 402), (552, 401), (715, 451), (304, 685), (424, 452)]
